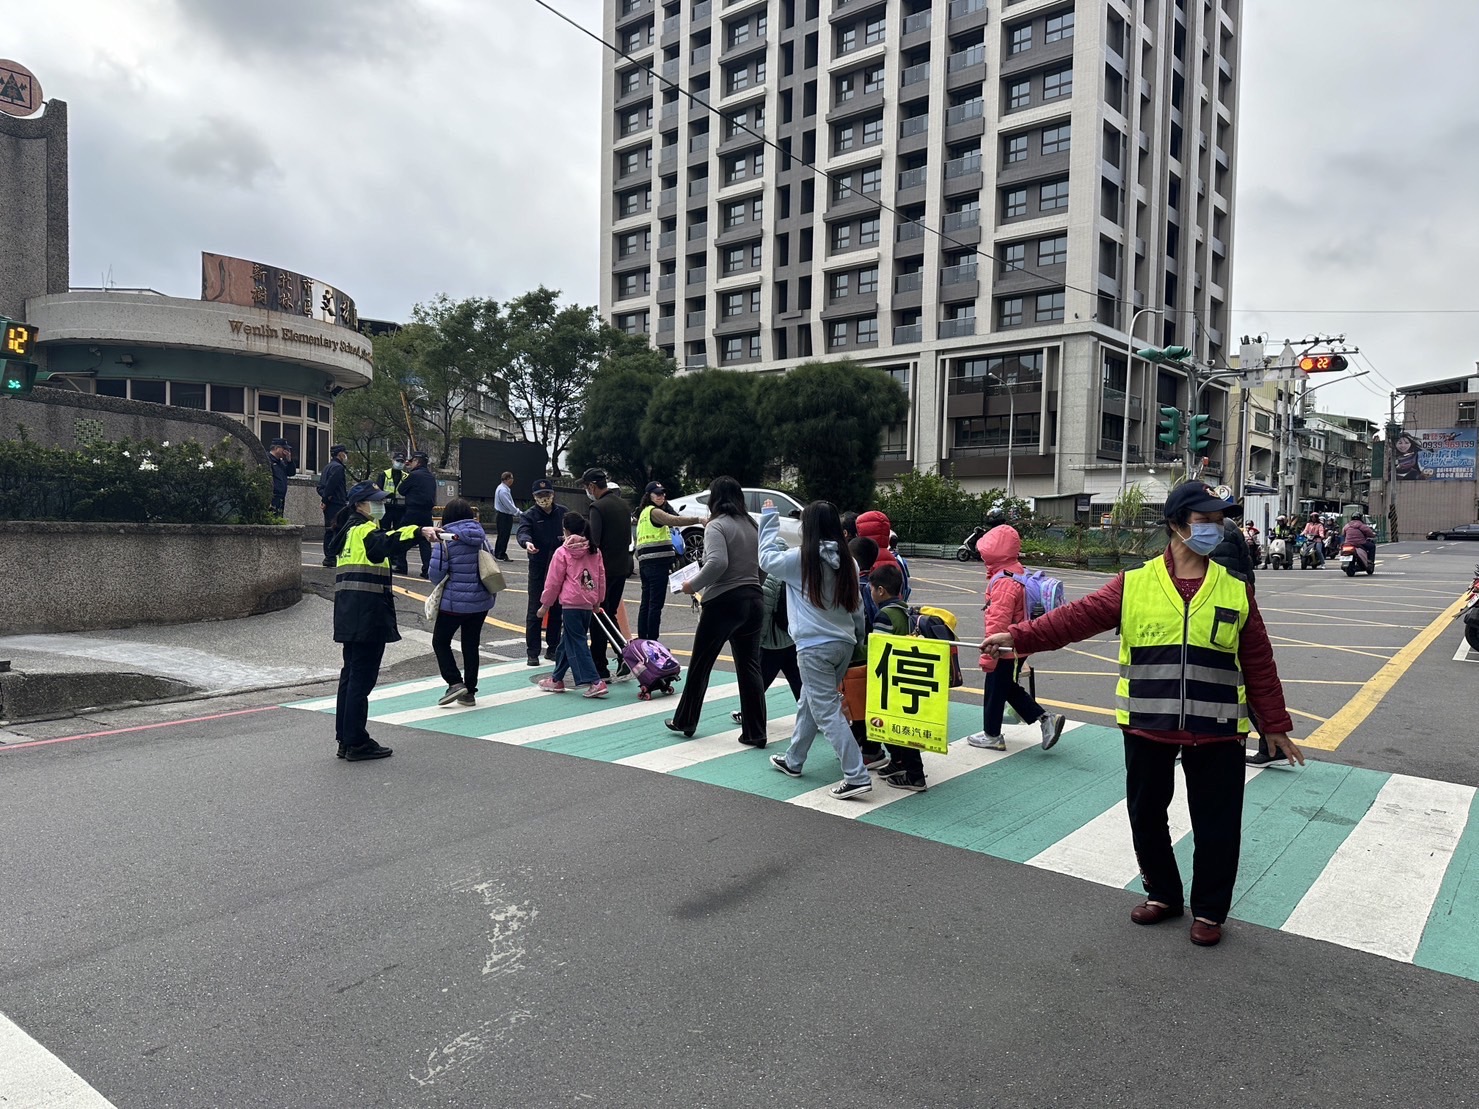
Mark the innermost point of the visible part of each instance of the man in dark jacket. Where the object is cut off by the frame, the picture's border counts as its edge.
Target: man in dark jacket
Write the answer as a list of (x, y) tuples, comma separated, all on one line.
[(333, 493), (610, 532), (540, 533), (418, 489), (390, 480), (283, 468)]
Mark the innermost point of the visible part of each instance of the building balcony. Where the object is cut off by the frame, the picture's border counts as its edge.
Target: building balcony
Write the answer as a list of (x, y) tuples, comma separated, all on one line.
[(1115, 448), (956, 328), (909, 333), (909, 282)]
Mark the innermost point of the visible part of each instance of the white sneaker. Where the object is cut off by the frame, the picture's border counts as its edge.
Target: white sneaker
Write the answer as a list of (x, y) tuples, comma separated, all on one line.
[(987, 742)]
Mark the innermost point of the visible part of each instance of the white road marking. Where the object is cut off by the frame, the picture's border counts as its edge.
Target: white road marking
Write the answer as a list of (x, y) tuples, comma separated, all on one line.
[(398, 689), (963, 758), (33, 1078), (1103, 851), (691, 752), (1463, 652), (432, 710), (594, 721), (1375, 894)]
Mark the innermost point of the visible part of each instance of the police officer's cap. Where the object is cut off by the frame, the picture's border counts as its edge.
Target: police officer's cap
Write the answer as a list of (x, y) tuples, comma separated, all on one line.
[(544, 485), (1198, 496), (281, 443), (398, 456), (594, 476), (420, 456), (338, 448), (366, 491)]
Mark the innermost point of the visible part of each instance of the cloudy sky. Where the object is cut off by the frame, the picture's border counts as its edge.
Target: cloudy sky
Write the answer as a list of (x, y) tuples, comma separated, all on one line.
[(402, 148)]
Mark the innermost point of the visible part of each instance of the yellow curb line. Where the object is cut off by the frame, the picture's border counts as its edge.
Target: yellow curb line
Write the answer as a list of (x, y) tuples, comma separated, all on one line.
[(1335, 731)]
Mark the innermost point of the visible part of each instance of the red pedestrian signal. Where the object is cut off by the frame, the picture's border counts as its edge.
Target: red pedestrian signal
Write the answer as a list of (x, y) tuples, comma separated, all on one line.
[(1322, 363)]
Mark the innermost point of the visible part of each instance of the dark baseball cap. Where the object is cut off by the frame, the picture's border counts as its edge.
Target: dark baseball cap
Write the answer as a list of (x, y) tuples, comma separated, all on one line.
[(366, 491), (281, 443), (543, 485), (420, 456), (1198, 496), (594, 476), (656, 487), (398, 456), (338, 448)]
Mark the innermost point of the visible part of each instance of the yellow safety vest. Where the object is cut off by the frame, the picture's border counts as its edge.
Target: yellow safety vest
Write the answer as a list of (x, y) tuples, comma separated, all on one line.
[(392, 480), (653, 540), (355, 570), (1179, 666)]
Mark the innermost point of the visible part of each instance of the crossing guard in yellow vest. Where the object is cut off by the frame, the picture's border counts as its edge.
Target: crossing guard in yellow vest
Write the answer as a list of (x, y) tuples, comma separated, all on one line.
[(1195, 662), (364, 612)]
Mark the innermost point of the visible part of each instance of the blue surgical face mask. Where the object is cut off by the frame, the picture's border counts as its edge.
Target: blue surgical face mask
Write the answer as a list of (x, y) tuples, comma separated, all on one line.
[(1203, 539)]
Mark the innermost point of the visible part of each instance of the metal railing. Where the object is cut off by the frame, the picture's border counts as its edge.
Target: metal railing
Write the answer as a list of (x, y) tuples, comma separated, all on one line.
[(908, 282), (954, 275), (916, 73), (908, 333), (954, 329), (959, 167), (964, 59), (959, 9), (919, 21), (961, 113), (954, 221), (914, 125), (913, 178), (910, 230)]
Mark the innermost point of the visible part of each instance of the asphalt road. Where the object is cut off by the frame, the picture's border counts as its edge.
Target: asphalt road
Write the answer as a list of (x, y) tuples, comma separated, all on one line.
[(218, 913)]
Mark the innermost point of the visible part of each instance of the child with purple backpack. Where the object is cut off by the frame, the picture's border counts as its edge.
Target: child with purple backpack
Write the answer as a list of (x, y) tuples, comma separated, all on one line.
[(577, 579)]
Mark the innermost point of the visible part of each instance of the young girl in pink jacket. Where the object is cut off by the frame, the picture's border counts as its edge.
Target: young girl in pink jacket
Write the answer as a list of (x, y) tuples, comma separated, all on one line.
[(578, 580)]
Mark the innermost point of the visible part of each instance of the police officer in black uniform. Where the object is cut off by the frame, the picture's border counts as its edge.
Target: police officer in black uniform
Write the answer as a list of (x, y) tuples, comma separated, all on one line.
[(395, 504), (333, 492), (419, 491), (283, 467)]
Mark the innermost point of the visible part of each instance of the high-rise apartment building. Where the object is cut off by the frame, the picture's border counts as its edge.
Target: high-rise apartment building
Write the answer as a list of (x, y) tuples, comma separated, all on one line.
[(975, 197)]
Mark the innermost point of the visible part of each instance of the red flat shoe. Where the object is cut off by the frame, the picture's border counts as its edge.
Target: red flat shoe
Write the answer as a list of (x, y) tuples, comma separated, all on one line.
[(1150, 913), (1204, 934)]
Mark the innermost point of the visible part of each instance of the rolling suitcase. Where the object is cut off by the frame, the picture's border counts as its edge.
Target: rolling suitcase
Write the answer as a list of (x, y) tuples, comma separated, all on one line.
[(651, 664)]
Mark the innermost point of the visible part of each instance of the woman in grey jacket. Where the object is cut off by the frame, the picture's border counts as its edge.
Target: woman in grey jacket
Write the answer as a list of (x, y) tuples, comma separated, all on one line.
[(732, 611)]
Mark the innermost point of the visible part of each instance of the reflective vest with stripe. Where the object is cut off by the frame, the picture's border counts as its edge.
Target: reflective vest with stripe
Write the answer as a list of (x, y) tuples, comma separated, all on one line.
[(1179, 667), (355, 571), (653, 540), (392, 479)]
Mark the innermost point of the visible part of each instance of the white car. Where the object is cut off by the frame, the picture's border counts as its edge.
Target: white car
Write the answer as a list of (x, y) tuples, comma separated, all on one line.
[(698, 505)]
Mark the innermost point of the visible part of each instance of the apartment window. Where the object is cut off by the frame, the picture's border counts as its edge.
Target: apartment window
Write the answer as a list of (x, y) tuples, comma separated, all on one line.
[(631, 161), (1016, 150), (1059, 83), (737, 78), (187, 394), (847, 40), (873, 132), (754, 344), (635, 202), (229, 398), (1052, 196), (1013, 257), (736, 259), (629, 284), (837, 334), (1052, 252), (840, 285), (1019, 39), (873, 80), (734, 348), (1055, 139), (1019, 94), (841, 236), (632, 40), (631, 81), (757, 209), (846, 136), (631, 122), (846, 89), (626, 245), (868, 281), (1049, 307), (739, 33), (1466, 413), (841, 188), (1261, 423), (1009, 312), (874, 31), (1059, 27), (868, 232), (734, 214), (745, 121), (872, 180), (1014, 204), (868, 330)]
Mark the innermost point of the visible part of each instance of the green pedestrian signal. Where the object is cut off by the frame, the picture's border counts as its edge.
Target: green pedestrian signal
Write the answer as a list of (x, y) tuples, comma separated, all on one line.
[(1196, 432), (1170, 426), (17, 379)]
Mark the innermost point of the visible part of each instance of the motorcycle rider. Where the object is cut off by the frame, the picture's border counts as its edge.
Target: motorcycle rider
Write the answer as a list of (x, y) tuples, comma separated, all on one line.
[(1358, 533), (1314, 535)]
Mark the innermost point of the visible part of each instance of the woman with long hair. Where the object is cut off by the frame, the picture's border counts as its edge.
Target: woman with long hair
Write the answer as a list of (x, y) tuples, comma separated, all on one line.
[(655, 526), (733, 609), (826, 618), (465, 603)]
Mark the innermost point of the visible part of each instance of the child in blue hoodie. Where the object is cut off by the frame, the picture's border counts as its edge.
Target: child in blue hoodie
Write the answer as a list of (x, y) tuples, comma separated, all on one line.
[(826, 621)]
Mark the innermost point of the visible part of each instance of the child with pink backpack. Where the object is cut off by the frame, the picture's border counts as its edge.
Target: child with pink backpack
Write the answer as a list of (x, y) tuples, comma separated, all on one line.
[(577, 579)]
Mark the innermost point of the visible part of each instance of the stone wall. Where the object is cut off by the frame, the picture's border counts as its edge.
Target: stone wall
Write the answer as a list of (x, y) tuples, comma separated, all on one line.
[(33, 208), (61, 418), (80, 577)]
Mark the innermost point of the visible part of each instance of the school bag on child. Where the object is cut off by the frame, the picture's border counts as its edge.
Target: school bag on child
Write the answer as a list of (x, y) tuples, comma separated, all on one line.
[(651, 663), (1043, 593), (938, 623)]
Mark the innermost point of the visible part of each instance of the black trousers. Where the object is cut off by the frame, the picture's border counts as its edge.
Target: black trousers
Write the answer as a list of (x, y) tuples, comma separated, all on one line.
[(908, 759), (392, 521), (422, 544), (1002, 690), (615, 587), (734, 618), (538, 572), (783, 661), (357, 677), (470, 624), (654, 573), (1214, 794), (505, 524), (330, 515)]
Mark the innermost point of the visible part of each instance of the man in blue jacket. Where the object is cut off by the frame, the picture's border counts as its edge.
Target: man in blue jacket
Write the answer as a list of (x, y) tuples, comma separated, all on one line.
[(541, 530), (418, 492), (282, 468), (333, 493)]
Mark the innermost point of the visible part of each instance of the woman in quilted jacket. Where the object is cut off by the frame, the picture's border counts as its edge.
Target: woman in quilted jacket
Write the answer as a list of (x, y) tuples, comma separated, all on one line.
[(1006, 604), (465, 603)]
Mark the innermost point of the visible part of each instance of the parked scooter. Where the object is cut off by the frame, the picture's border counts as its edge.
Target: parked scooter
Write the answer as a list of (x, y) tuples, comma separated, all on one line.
[(1354, 557), (967, 550), (1470, 613), (1278, 554)]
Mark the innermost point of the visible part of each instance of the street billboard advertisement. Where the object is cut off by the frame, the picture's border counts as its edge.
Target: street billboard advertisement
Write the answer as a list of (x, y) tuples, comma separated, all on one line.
[(227, 280), (1434, 454)]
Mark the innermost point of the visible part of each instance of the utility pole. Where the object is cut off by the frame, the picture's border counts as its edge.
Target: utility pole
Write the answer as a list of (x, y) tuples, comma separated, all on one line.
[(1389, 465)]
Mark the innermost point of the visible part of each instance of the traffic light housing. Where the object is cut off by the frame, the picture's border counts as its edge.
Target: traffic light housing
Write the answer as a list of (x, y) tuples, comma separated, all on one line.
[(1176, 354), (1170, 425), (17, 378), (1322, 363), (17, 371), (1196, 432)]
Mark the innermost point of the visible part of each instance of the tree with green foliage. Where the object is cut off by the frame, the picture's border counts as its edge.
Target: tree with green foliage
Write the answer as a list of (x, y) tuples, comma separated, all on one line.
[(705, 424), (456, 347), (936, 508), (378, 413), (827, 420), (616, 404)]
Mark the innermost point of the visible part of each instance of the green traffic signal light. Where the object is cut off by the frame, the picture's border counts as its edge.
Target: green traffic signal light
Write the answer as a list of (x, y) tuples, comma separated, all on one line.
[(17, 379), (1170, 425), (1196, 432), (1164, 354), (1176, 354)]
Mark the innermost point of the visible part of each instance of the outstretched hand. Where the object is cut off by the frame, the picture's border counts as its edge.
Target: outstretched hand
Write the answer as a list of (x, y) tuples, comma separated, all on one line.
[(994, 646)]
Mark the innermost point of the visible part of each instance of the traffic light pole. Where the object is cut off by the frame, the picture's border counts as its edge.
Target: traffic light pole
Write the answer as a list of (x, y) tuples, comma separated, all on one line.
[(1145, 404)]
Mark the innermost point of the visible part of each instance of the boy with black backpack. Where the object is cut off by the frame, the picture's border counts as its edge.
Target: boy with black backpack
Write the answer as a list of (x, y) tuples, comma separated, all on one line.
[(906, 767), (1012, 595)]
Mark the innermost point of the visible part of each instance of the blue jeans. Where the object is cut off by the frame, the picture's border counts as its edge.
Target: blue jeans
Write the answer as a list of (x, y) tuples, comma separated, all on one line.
[(574, 652), (820, 709)]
